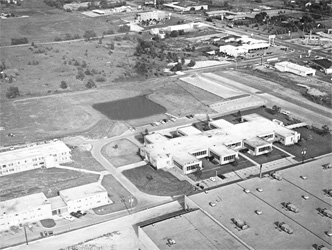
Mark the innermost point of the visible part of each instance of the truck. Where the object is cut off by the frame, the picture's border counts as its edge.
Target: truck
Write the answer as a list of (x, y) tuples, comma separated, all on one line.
[(292, 207), (285, 227)]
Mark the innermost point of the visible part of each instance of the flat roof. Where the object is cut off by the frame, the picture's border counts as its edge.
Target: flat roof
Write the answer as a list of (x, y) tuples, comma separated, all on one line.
[(294, 66), (44, 149), (257, 142), (80, 192), (233, 203), (156, 137), (185, 158), (222, 150), (190, 130), (23, 203), (57, 202), (191, 231)]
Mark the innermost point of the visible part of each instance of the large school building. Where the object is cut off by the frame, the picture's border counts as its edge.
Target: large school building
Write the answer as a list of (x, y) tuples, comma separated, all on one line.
[(222, 142)]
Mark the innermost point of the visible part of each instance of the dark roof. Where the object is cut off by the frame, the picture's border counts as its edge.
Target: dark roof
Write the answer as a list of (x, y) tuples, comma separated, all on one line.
[(324, 63)]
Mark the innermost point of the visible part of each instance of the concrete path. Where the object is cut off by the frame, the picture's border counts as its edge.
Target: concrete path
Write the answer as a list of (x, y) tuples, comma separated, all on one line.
[(79, 170), (131, 166)]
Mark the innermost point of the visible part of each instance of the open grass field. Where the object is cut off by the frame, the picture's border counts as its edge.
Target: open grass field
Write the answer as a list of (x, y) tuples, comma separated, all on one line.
[(82, 159), (157, 182), (120, 153), (49, 181), (118, 194), (44, 23)]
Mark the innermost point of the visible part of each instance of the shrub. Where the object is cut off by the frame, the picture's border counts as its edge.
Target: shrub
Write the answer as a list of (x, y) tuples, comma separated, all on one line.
[(191, 63), (12, 92), (22, 40), (80, 75), (89, 34), (100, 79), (124, 28), (90, 84), (63, 85)]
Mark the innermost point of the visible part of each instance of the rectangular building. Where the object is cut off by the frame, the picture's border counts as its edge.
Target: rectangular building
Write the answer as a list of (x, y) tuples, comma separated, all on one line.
[(39, 155), (151, 15), (23, 210), (85, 197), (255, 133), (325, 64), (295, 69)]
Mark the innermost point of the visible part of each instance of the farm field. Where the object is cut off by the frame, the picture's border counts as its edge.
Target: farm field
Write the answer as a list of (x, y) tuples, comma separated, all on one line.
[(157, 182), (49, 181), (120, 153)]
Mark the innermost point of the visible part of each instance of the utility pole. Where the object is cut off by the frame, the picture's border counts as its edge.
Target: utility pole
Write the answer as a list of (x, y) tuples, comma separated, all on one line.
[(260, 171), (26, 236)]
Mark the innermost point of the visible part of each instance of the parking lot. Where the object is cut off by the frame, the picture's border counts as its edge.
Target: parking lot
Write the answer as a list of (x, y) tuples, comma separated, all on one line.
[(309, 226)]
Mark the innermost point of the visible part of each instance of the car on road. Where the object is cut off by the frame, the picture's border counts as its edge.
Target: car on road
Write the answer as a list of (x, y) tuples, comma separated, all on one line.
[(162, 121), (68, 217), (173, 119), (259, 190), (285, 227), (212, 204), (132, 129), (292, 207), (246, 191)]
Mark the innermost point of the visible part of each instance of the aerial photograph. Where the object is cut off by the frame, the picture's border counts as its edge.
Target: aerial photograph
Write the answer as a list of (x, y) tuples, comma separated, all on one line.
[(166, 125)]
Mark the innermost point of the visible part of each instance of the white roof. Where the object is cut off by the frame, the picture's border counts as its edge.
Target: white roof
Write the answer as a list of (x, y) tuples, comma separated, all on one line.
[(294, 66), (185, 158), (222, 150), (257, 142), (44, 149), (24, 203), (190, 130), (81, 192)]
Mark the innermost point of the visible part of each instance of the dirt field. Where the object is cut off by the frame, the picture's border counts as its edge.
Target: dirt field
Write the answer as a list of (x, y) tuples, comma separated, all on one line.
[(49, 181), (120, 153)]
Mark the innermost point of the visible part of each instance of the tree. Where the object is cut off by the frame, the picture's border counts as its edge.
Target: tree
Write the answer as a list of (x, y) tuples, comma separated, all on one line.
[(239, 115), (183, 60), (124, 28), (12, 92), (90, 84), (191, 63), (174, 33), (177, 67), (63, 85), (326, 129), (276, 109), (89, 34), (80, 75)]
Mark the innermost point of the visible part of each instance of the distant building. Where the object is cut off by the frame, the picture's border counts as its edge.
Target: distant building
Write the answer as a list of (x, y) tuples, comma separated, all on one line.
[(243, 50), (23, 210), (295, 69), (99, 12), (151, 15), (324, 64), (39, 155), (222, 143), (186, 6), (85, 197)]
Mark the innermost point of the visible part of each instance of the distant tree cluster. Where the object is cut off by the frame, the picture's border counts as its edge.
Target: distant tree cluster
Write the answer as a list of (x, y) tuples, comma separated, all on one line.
[(124, 28), (16, 41), (89, 34), (12, 92)]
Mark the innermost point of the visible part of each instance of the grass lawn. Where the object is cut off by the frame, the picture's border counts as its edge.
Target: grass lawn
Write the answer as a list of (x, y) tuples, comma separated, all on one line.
[(314, 144), (48, 223), (275, 154), (157, 182), (83, 160), (121, 152), (210, 169), (118, 194), (49, 181)]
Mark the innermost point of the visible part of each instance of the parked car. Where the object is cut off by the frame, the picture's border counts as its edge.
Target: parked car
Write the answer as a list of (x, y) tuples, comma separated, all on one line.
[(329, 192), (327, 213), (132, 129), (76, 215), (241, 224), (81, 213), (246, 191), (327, 166), (292, 207), (259, 212), (276, 175), (328, 233), (173, 119), (285, 227), (306, 197), (259, 189), (303, 177), (321, 247), (68, 217)]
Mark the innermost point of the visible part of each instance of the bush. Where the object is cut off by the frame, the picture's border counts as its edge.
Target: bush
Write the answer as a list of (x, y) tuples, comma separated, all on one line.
[(80, 75), (89, 34), (63, 85), (100, 79), (124, 28), (108, 32), (191, 63), (12, 92), (22, 40), (90, 84), (174, 33), (177, 67)]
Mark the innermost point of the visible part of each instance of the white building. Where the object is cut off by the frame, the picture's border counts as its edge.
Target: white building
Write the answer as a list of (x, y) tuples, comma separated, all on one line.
[(151, 15), (243, 50), (186, 7), (222, 143), (39, 155), (23, 210), (85, 197), (295, 69)]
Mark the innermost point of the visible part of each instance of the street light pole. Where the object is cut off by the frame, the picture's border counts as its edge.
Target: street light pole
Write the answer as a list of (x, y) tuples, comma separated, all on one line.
[(26, 236)]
